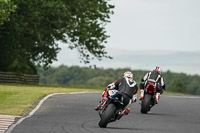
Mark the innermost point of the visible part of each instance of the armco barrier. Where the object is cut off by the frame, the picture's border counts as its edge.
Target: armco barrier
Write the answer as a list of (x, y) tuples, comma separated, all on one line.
[(11, 77)]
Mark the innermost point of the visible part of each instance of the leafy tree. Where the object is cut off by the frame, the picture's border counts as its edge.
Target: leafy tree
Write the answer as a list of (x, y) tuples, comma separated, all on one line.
[(198, 91), (6, 7), (31, 36), (178, 86), (100, 81), (194, 86)]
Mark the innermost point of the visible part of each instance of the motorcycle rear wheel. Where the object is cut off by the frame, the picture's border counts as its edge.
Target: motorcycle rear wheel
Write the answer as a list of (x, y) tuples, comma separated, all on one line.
[(106, 116), (145, 106)]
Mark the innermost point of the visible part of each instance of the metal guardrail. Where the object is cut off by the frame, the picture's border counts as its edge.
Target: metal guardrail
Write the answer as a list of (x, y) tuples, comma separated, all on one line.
[(11, 77)]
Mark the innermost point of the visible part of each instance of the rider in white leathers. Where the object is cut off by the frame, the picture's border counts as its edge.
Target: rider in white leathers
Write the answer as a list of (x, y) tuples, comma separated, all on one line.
[(155, 77)]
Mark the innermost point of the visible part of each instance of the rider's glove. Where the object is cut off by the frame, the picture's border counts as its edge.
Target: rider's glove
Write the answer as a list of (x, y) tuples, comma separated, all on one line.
[(111, 86), (134, 98)]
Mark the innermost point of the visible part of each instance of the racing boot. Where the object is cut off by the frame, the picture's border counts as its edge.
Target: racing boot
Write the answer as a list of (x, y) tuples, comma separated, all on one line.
[(98, 107), (141, 94), (157, 97), (102, 103), (126, 111)]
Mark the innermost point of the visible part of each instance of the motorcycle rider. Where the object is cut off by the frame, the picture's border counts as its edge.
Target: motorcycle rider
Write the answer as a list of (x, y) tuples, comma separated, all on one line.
[(127, 87), (155, 77)]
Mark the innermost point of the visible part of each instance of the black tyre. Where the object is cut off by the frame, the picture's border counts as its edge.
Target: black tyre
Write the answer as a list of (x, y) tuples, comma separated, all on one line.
[(145, 106), (106, 116)]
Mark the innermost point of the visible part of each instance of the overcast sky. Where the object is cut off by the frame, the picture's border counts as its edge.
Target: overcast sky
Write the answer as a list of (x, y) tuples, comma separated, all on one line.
[(155, 25), (140, 27)]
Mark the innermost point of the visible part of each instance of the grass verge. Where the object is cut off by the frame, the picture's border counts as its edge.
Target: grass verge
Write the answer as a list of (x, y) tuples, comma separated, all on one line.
[(17, 99)]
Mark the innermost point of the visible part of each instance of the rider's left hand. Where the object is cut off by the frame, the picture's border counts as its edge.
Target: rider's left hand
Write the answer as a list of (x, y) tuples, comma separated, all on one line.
[(134, 99)]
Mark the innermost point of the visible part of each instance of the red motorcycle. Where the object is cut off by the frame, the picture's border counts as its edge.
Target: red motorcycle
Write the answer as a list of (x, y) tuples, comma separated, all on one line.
[(148, 100)]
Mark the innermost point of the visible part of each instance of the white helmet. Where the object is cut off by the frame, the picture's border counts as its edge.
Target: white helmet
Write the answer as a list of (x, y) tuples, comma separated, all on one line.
[(128, 74), (158, 69)]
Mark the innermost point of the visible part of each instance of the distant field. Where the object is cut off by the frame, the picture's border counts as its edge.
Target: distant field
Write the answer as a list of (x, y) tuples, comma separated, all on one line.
[(17, 99)]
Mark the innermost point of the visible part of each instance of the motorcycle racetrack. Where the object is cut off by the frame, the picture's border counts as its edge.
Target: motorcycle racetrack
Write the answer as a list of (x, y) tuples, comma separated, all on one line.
[(74, 113)]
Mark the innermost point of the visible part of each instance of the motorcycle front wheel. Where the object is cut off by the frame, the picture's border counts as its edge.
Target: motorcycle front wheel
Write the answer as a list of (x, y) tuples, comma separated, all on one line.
[(106, 115)]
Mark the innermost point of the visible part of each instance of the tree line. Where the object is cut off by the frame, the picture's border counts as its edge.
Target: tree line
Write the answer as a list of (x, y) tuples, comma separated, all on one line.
[(75, 75)]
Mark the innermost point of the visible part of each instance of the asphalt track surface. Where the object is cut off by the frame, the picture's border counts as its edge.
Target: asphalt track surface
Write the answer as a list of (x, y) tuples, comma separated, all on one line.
[(74, 113)]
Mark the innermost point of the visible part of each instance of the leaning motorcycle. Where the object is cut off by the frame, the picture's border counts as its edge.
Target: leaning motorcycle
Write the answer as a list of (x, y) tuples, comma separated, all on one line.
[(111, 109), (148, 100)]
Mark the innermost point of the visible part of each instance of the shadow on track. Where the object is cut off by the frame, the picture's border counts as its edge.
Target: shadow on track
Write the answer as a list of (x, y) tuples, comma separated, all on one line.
[(123, 128), (150, 113), (133, 129)]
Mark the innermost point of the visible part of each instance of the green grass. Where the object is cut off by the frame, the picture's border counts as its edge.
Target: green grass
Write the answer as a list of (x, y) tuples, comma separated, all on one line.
[(17, 99)]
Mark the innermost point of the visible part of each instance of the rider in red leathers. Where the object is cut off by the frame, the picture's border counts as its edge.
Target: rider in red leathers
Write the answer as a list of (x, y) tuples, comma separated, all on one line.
[(127, 87)]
